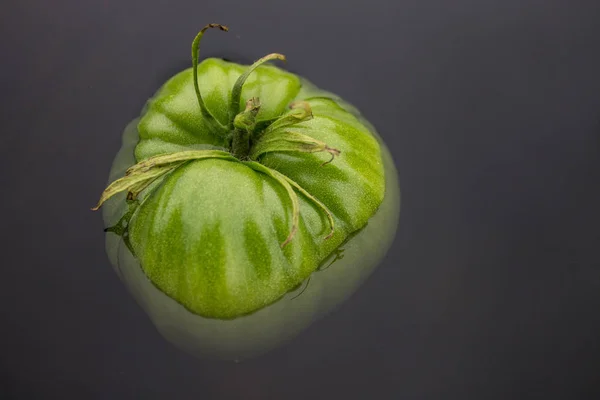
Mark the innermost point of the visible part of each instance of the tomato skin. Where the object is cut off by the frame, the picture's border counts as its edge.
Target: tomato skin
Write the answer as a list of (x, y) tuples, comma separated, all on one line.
[(326, 275)]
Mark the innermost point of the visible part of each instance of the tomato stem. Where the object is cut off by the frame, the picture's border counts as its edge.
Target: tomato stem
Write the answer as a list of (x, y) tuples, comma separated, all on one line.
[(244, 124)]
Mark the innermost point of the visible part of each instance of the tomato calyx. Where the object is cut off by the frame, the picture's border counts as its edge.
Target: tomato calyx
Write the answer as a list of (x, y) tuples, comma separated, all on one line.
[(247, 137)]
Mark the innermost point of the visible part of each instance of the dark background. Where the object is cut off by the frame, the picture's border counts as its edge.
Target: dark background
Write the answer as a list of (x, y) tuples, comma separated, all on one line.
[(492, 112)]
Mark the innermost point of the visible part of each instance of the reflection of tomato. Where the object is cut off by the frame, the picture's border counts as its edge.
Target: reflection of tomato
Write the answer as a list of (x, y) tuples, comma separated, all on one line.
[(239, 195)]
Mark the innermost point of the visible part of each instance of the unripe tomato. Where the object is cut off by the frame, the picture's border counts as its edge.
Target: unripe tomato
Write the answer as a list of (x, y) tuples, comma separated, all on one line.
[(245, 203)]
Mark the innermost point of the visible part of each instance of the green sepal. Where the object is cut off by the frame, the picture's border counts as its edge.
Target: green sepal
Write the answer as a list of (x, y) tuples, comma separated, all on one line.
[(290, 142), (289, 186), (206, 114), (236, 91), (121, 228), (300, 111), (141, 175)]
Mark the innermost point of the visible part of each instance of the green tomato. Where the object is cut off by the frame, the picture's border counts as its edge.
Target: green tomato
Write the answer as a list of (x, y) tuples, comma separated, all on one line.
[(246, 203)]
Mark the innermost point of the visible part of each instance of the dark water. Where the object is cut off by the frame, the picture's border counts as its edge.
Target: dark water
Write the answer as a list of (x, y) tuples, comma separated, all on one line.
[(491, 110)]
